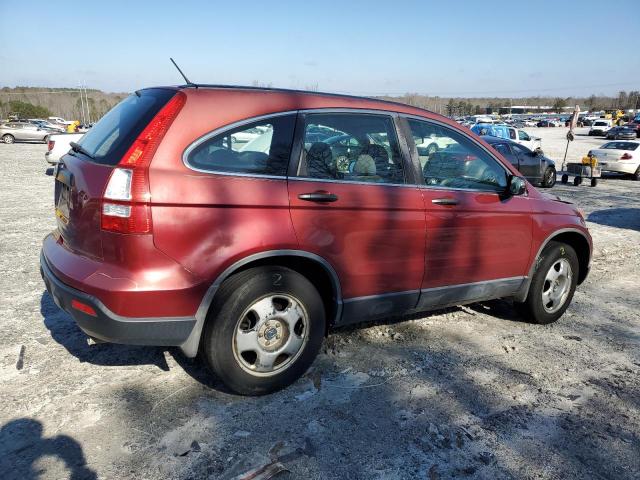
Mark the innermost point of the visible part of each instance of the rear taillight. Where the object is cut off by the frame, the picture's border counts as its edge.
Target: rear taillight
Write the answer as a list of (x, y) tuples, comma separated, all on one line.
[(50, 144), (626, 156), (125, 206)]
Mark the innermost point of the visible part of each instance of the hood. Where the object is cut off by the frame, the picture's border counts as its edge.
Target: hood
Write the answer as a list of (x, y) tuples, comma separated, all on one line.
[(554, 198)]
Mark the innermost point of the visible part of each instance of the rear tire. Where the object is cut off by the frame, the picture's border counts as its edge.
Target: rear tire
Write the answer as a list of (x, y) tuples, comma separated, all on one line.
[(577, 181), (565, 178), (594, 182), (45, 139), (636, 176), (546, 300), (283, 317), (8, 139)]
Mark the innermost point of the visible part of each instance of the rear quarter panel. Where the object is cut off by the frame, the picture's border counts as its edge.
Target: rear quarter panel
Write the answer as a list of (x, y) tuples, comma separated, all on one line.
[(208, 221)]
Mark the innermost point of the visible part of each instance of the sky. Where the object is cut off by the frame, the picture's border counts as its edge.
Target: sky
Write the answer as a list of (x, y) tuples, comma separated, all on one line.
[(446, 48)]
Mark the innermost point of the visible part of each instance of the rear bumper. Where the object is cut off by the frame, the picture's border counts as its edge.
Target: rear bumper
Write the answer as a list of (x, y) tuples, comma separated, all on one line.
[(619, 167), (110, 327)]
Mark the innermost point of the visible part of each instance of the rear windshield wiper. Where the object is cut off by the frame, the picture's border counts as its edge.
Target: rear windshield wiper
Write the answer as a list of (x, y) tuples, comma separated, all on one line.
[(76, 147)]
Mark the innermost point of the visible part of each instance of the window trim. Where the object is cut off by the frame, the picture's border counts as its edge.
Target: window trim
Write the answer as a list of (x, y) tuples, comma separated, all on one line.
[(416, 158), (296, 151), (231, 126)]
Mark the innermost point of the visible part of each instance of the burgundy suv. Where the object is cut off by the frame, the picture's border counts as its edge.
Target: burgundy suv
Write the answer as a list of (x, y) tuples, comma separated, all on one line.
[(244, 223)]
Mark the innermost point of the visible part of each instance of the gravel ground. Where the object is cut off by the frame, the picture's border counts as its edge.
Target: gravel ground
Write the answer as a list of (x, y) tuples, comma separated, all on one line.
[(466, 392)]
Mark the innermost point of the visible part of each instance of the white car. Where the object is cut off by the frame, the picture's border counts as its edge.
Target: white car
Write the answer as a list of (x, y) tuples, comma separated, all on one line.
[(59, 145), (246, 135), (523, 138), (621, 156), (600, 127)]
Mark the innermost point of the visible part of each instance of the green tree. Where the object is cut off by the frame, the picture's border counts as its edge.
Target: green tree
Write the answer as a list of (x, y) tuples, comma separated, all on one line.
[(451, 106), (559, 104), (27, 110)]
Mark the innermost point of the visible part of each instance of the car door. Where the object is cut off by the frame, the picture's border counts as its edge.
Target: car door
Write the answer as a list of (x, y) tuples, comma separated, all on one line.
[(478, 238), (366, 219), (529, 164)]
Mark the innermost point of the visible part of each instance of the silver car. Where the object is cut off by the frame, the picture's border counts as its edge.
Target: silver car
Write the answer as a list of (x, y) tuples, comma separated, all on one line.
[(22, 132)]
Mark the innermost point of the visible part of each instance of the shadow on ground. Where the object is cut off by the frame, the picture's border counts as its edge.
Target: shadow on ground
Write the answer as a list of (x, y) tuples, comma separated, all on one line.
[(22, 446), (628, 218)]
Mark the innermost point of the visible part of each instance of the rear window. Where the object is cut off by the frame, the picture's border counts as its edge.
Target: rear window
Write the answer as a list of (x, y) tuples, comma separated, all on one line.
[(109, 139), (620, 146)]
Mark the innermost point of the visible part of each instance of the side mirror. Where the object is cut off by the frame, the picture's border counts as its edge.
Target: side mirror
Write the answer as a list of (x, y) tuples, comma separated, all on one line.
[(516, 186), (538, 152)]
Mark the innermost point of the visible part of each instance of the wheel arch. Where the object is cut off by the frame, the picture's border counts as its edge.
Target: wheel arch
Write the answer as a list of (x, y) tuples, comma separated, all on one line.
[(318, 270), (571, 236)]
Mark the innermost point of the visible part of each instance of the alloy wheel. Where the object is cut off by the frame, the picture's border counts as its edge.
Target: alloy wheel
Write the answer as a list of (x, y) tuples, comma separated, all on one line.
[(557, 285)]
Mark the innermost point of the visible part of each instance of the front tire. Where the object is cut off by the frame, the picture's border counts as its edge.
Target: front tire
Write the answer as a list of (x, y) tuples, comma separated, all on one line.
[(264, 330), (552, 286), (549, 177), (8, 139), (636, 175)]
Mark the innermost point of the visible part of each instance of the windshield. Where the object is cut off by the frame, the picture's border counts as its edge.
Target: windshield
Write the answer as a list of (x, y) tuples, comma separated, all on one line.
[(108, 140)]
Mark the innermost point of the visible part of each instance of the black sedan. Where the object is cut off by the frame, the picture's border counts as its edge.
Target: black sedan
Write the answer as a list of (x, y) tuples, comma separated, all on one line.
[(537, 168), (621, 133)]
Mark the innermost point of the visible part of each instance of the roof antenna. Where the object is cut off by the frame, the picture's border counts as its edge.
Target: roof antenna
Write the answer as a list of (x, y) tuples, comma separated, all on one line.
[(189, 82)]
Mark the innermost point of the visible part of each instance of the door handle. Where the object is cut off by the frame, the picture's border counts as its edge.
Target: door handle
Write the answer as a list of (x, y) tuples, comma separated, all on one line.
[(445, 201), (323, 197)]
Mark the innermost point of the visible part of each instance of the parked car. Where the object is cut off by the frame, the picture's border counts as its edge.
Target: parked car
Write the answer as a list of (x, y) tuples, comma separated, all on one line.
[(11, 132), (169, 234), (634, 124), (533, 165), (621, 133), (600, 127), (60, 144), (620, 157), (43, 124), (545, 123), (510, 133)]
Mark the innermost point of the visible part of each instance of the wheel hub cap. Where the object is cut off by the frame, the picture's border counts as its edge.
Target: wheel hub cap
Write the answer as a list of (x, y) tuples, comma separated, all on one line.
[(270, 334), (557, 285)]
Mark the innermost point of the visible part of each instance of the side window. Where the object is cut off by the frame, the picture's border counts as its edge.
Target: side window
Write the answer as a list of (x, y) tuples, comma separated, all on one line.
[(520, 150), (506, 152), (512, 133), (262, 147), (351, 147), (523, 136), (502, 149), (450, 159)]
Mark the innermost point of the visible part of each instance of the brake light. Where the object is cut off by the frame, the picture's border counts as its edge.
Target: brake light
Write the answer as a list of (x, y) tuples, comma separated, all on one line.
[(125, 207), (50, 145), (626, 156), (83, 307)]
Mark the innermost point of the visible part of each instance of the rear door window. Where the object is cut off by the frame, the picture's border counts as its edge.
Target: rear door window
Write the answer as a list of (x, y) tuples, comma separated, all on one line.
[(109, 139), (262, 147), (354, 147)]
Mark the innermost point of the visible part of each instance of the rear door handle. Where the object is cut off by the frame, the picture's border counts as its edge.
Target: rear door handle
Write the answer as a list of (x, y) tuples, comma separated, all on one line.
[(323, 197), (445, 201)]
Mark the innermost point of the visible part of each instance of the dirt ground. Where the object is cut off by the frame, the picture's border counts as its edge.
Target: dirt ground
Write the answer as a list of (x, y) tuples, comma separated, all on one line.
[(468, 392)]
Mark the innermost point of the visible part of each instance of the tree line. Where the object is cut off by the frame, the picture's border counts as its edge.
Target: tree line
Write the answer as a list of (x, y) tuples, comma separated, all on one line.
[(34, 102), (474, 106)]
